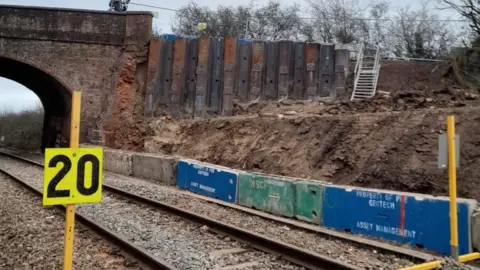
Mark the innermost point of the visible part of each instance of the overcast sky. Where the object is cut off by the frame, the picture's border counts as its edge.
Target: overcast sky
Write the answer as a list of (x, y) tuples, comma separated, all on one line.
[(14, 96)]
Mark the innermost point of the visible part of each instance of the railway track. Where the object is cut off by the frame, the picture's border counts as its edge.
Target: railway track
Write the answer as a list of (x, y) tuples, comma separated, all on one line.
[(145, 260), (290, 253)]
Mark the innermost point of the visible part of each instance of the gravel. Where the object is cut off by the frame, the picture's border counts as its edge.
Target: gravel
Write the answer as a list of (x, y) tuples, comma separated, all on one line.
[(450, 264), (180, 243), (31, 236), (361, 256)]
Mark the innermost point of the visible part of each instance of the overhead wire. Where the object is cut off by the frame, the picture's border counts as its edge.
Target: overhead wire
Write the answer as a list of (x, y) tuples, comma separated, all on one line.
[(328, 18)]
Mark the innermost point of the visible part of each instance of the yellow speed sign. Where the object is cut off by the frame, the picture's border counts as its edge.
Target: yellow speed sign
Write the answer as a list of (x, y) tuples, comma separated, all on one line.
[(72, 176)]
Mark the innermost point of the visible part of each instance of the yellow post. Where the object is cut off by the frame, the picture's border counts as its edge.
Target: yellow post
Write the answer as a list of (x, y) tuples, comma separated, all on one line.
[(452, 186), (70, 213)]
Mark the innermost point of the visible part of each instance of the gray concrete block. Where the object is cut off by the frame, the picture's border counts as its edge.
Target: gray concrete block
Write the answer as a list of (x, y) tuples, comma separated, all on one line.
[(161, 169), (117, 161)]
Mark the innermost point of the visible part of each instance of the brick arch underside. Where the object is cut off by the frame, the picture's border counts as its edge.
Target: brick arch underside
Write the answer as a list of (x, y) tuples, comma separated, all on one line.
[(54, 95)]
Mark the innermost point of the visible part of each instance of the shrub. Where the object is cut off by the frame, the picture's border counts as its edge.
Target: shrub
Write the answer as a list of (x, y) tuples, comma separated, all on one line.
[(22, 130)]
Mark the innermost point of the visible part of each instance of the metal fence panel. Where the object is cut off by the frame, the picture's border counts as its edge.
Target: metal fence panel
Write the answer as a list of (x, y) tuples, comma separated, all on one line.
[(230, 58), (258, 68), (299, 72), (271, 62)]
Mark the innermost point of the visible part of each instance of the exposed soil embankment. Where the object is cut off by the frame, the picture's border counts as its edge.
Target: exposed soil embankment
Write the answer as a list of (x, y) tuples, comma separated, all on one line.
[(389, 142)]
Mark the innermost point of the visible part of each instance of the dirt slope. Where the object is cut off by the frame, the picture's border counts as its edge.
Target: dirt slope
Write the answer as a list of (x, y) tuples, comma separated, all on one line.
[(389, 142), (394, 147)]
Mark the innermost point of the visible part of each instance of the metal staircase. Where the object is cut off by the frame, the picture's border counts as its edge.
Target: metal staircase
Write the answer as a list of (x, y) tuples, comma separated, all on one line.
[(366, 74)]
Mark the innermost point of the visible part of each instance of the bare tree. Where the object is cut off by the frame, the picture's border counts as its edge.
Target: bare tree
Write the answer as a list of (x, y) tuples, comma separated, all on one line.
[(426, 38), (469, 9), (337, 20), (188, 17), (377, 27), (274, 21), (271, 21), (156, 31), (232, 21), (306, 31)]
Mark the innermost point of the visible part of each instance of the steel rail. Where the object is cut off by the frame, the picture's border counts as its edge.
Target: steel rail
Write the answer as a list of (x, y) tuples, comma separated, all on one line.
[(289, 252), (296, 255), (145, 259)]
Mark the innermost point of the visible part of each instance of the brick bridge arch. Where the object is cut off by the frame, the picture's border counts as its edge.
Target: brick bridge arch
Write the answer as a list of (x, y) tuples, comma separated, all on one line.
[(54, 95), (56, 51)]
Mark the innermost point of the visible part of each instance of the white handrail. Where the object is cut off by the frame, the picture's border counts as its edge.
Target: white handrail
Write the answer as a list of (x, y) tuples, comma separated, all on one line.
[(359, 59), (356, 72), (376, 70)]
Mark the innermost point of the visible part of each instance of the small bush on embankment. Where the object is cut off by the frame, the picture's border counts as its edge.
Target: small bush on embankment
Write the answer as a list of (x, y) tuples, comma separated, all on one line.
[(21, 130)]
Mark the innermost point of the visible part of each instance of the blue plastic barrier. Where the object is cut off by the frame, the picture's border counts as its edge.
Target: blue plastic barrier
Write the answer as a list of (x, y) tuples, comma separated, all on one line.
[(207, 179), (169, 36), (244, 41), (401, 217)]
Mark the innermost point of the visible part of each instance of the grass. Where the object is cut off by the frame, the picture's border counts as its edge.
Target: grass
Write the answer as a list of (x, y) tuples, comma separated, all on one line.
[(22, 130)]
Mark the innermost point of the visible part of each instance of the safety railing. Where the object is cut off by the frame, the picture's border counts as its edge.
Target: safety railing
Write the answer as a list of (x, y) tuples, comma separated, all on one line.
[(358, 65), (356, 72), (376, 70)]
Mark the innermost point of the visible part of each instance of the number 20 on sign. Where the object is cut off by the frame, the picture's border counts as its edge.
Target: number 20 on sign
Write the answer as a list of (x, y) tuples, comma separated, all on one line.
[(72, 176)]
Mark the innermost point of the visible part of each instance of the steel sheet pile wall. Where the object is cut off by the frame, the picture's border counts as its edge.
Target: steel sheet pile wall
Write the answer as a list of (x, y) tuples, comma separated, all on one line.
[(243, 69), (203, 76)]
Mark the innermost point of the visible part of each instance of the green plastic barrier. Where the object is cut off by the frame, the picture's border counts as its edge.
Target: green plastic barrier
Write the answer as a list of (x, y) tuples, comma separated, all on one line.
[(269, 193), (308, 200)]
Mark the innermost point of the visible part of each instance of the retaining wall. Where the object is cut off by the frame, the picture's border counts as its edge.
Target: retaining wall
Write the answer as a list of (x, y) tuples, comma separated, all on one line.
[(200, 76), (406, 218)]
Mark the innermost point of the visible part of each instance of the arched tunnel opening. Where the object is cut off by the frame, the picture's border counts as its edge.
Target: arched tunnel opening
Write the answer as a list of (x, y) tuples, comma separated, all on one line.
[(54, 96)]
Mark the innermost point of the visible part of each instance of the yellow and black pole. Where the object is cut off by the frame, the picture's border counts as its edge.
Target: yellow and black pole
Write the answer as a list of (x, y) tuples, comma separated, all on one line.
[(70, 214), (452, 186)]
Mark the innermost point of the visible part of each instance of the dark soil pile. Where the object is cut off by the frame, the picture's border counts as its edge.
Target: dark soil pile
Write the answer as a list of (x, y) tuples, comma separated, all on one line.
[(389, 142)]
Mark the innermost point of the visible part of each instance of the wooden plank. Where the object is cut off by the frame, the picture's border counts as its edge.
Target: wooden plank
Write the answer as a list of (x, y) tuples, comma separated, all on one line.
[(214, 92), (241, 266), (221, 252), (311, 79), (271, 53), (299, 71), (243, 78), (285, 68), (257, 73), (178, 76), (230, 57), (202, 73), (189, 94)]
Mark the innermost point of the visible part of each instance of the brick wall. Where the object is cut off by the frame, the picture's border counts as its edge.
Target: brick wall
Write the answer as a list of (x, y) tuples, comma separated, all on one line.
[(83, 50)]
